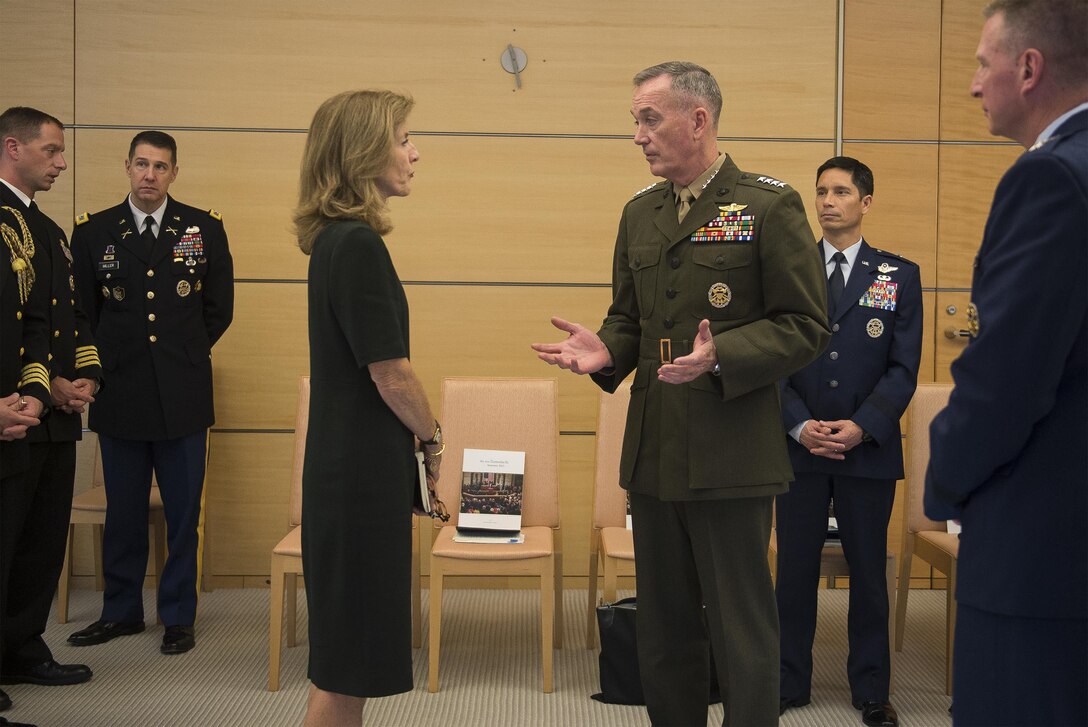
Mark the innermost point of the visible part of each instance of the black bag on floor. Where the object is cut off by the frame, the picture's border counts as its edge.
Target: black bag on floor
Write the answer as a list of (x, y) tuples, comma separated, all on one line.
[(621, 682)]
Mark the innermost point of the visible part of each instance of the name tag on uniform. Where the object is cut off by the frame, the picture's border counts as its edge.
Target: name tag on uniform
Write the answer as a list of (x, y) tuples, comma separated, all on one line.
[(108, 265)]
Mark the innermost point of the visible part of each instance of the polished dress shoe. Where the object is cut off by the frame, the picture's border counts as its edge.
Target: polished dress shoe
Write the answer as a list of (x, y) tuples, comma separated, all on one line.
[(177, 640), (102, 631), (5, 700), (48, 673), (784, 704), (877, 714)]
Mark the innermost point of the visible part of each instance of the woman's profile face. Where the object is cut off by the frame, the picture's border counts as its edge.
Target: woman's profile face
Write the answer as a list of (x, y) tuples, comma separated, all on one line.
[(396, 180)]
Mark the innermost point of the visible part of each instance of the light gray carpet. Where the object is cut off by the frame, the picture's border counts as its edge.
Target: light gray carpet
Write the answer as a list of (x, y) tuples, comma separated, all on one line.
[(490, 671)]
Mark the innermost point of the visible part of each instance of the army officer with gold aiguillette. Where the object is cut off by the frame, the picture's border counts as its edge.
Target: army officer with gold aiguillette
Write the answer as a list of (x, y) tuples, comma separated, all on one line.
[(157, 281)]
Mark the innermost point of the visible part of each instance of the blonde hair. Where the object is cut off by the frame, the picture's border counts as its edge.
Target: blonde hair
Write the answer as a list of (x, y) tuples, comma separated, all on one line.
[(349, 145)]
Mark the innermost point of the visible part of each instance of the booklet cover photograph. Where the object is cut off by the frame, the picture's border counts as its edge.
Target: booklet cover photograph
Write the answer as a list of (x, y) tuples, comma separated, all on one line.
[(491, 490)]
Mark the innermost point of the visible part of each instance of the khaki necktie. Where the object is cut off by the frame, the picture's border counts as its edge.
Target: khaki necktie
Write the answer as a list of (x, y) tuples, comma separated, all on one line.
[(683, 203)]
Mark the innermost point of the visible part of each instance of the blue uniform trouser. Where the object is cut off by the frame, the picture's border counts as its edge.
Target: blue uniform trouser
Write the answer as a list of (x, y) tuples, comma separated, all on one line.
[(863, 507), (178, 465)]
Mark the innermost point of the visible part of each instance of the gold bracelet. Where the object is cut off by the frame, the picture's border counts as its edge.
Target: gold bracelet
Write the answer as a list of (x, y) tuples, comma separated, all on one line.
[(433, 454)]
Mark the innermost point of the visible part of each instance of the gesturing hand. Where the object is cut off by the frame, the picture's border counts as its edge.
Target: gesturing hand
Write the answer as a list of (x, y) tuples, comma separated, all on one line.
[(702, 359), (582, 351)]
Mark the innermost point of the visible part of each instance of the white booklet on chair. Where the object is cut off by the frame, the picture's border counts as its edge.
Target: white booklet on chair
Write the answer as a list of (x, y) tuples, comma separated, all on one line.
[(491, 489)]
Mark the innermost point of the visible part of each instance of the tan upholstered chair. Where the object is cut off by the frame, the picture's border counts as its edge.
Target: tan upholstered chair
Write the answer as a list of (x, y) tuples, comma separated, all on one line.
[(611, 545), (287, 556), (506, 414), (833, 565), (89, 508), (925, 538)]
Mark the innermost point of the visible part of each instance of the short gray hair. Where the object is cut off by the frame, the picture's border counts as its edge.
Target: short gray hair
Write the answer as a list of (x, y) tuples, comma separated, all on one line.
[(689, 80), (1054, 27)]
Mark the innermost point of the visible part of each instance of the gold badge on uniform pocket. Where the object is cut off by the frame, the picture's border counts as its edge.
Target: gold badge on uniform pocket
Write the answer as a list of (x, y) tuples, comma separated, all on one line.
[(184, 288), (875, 327), (105, 291), (719, 295), (199, 285), (118, 293)]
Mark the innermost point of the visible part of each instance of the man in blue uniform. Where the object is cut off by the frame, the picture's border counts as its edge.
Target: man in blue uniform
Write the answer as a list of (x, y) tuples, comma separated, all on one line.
[(842, 414), (35, 510), (157, 279), (1009, 455)]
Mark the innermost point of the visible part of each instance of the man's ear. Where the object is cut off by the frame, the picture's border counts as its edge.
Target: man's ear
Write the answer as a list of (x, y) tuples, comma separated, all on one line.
[(1031, 69)]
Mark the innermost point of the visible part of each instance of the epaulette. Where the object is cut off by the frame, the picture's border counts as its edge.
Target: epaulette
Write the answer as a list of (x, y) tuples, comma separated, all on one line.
[(644, 190), (216, 215), (83, 217), (896, 256)]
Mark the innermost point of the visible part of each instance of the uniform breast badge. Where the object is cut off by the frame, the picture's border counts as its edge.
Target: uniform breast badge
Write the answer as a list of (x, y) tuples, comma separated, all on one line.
[(875, 328), (886, 268), (190, 245), (728, 226), (719, 295), (972, 320), (881, 294), (184, 288), (105, 291), (118, 293)]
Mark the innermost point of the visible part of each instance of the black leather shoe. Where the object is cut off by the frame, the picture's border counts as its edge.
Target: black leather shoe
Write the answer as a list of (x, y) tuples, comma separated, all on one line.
[(877, 714), (48, 673), (177, 640), (5, 701), (784, 704), (3, 721), (102, 631)]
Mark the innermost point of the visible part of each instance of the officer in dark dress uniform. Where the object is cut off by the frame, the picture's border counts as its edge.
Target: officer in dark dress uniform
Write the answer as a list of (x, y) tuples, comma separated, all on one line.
[(157, 279), (703, 452), (37, 510), (1009, 455), (842, 413)]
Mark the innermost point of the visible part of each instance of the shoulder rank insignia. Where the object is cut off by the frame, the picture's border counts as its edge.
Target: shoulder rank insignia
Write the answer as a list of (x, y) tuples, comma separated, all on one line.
[(886, 268), (771, 181), (82, 217), (644, 190), (216, 215)]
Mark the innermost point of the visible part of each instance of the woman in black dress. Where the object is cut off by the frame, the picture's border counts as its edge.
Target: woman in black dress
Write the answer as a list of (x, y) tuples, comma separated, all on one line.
[(368, 410)]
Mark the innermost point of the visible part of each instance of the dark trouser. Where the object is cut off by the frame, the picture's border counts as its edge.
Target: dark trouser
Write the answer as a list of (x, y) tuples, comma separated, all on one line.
[(179, 468), (711, 552), (35, 508), (1011, 670), (863, 507)]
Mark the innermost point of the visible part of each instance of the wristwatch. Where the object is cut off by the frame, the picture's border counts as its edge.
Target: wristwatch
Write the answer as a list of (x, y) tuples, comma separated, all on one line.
[(436, 440)]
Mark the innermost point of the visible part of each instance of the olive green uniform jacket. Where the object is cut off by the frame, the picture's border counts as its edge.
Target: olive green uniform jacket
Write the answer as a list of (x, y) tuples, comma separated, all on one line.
[(750, 271)]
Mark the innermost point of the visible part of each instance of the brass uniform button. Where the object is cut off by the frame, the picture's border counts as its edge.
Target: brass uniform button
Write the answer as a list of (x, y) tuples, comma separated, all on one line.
[(153, 338), (151, 316), (150, 273), (151, 295)]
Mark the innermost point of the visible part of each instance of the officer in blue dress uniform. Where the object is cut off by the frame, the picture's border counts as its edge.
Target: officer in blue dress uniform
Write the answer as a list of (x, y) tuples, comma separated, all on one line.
[(158, 281), (842, 414), (1009, 455)]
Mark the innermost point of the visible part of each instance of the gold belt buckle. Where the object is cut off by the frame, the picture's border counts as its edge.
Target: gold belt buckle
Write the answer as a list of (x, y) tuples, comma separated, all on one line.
[(666, 350)]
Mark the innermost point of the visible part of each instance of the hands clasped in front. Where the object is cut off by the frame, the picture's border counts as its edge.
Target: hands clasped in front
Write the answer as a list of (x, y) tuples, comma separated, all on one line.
[(583, 352), (831, 439), (17, 414)]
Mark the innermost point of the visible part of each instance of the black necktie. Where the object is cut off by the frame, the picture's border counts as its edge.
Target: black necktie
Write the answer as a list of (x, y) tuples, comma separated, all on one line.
[(836, 282), (148, 235)]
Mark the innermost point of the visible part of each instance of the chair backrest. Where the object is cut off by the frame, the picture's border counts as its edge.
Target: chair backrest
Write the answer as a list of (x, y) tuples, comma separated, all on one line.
[(609, 499), (928, 401), (515, 414), (302, 423)]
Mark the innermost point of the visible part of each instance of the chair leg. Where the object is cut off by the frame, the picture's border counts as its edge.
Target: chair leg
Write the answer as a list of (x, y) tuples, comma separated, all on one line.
[(290, 581), (557, 596), (417, 601), (950, 607), (890, 576), (591, 591), (65, 579), (611, 579), (906, 557), (547, 623), (158, 527), (275, 623), (99, 571), (435, 635)]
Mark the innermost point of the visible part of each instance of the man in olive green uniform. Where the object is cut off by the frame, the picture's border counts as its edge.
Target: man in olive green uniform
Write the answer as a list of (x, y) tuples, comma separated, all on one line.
[(716, 296)]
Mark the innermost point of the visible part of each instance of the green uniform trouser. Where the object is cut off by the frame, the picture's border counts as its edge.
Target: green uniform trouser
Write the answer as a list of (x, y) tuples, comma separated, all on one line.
[(711, 552)]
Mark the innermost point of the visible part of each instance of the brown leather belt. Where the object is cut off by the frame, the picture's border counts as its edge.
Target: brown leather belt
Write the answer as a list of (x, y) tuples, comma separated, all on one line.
[(664, 350)]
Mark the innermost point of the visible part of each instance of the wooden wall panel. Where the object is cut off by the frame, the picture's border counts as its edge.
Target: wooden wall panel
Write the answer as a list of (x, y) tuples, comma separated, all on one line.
[(255, 64), (37, 56), (891, 80), (903, 216), (961, 115), (966, 183)]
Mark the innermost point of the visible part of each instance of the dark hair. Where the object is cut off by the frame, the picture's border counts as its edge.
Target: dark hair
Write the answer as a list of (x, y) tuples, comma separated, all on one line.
[(1054, 27), (688, 80), (25, 123), (157, 139), (860, 175)]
